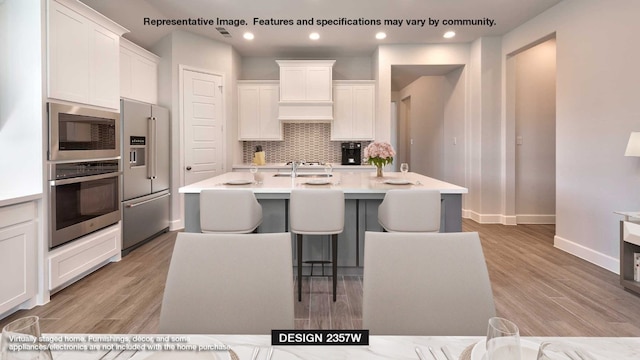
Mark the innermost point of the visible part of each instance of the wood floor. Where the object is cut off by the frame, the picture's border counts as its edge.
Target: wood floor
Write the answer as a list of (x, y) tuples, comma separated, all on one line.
[(547, 292)]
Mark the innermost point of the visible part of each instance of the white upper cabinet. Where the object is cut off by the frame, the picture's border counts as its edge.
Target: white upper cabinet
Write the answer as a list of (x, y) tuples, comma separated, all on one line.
[(306, 90), (302, 81), (104, 55), (138, 73), (258, 111), (83, 55), (353, 110), (68, 54)]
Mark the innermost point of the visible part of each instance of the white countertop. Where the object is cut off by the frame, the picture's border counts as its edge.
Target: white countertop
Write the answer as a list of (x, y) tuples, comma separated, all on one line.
[(19, 199), (380, 347), (349, 182)]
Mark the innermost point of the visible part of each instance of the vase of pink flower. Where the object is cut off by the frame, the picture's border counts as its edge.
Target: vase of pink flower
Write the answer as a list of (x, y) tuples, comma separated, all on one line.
[(379, 154)]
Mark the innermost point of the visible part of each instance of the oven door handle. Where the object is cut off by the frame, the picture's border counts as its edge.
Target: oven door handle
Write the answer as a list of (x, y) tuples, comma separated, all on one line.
[(84, 178)]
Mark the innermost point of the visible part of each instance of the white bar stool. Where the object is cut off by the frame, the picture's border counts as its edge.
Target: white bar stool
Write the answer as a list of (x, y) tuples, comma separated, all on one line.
[(414, 210), (229, 211), (317, 212)]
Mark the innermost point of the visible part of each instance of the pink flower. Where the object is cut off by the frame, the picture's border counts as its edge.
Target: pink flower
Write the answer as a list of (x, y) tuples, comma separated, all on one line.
[(379, 153)]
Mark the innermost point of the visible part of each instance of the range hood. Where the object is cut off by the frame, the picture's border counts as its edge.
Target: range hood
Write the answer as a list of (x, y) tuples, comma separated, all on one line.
[(306, 90)]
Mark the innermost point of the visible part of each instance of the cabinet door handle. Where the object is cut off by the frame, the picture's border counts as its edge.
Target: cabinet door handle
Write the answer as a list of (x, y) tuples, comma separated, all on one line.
[(188, 168)]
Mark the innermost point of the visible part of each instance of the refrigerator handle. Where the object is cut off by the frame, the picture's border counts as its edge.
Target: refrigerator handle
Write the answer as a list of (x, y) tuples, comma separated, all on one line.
[(151, 168)]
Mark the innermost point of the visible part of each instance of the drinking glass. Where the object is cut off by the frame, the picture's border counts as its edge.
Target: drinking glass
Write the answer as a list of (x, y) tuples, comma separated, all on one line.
[(328, 169), (253, 169), (554, 351), (503, 340), (404, 169), (24, 331)]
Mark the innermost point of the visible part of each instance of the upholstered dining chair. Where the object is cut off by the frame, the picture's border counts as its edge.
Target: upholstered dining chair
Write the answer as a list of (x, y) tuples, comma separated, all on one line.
[(229, 211), (425, 284), (410, 210), (229, 284), (317, 212)]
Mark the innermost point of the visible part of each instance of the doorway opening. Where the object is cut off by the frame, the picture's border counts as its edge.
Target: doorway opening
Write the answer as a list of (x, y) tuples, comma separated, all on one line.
[(531, 117), (430, 120)]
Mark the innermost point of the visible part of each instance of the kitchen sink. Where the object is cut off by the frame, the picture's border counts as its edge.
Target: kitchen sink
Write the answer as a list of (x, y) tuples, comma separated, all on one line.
[(287, 174)]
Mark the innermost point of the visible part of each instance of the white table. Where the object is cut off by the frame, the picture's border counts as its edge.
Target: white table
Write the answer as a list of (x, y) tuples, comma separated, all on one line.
[(380, 347)]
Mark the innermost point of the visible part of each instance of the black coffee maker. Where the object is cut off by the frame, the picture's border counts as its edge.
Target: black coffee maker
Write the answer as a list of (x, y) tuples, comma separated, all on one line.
[(351, 153)]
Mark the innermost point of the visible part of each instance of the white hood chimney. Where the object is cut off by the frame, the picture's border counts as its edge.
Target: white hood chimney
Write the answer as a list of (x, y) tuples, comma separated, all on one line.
[(306, 90)]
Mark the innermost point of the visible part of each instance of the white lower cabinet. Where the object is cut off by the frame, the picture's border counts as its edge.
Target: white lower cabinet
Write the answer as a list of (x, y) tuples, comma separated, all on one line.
[(353, 110), (18, 254), (69, 262), (258, 111)]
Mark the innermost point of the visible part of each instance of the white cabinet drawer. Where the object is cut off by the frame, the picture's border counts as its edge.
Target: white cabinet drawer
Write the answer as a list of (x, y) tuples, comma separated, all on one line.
[(16, 214), (81, 256)]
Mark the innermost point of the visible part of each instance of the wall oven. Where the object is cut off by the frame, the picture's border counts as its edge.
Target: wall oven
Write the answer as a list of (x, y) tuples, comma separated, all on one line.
[(79, 133), (84, 197)]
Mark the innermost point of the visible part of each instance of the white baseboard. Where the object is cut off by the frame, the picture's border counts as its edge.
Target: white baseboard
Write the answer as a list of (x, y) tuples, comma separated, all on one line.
[(176, 225), (488, 218), (604, 261), (508, 219), (535, 219)]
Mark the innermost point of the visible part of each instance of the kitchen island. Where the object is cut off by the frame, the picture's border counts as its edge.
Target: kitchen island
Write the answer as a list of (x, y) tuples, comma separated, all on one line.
[(363, 193)]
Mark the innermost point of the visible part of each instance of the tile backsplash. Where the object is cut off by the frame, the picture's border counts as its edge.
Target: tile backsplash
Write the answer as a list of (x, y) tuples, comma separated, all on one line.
[(308, 142)]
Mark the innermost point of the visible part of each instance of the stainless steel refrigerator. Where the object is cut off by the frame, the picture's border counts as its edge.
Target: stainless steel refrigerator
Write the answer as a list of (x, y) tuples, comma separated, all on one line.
[(145, 163)]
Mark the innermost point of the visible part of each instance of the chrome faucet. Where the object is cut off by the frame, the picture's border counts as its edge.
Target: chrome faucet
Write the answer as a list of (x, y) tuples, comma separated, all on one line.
[(294, 169)]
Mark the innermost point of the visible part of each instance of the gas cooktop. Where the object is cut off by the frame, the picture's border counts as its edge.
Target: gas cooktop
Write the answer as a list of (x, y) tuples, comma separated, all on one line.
[(307, 163)]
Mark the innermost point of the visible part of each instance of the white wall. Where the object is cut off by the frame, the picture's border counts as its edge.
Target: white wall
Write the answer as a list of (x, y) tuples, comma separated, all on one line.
[(484, 133), (345, 68), (195, 51), (597, 107), (21, 99), (535, 125), (387, 55), (454, 89)]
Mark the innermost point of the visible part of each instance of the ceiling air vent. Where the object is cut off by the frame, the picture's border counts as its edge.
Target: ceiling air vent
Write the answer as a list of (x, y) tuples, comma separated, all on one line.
[(223, 32)]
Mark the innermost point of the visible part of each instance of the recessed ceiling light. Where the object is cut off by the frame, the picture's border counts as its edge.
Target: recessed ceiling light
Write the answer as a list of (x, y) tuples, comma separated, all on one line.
[(381, 35), (314, 36), (248, 36), (449, 34)]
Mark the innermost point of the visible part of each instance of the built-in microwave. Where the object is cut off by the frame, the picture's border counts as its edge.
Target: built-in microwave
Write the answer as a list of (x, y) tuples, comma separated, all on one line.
[(79, 133)]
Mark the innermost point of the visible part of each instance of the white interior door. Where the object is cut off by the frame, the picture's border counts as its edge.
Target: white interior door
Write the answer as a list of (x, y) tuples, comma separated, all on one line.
[(203, 125)]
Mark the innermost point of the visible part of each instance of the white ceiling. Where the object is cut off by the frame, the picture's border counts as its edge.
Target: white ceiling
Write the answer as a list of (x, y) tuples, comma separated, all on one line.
[(292, 41)]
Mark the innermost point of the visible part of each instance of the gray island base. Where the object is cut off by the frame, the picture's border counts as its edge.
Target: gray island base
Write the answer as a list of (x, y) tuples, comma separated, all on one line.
[(363, 193)]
